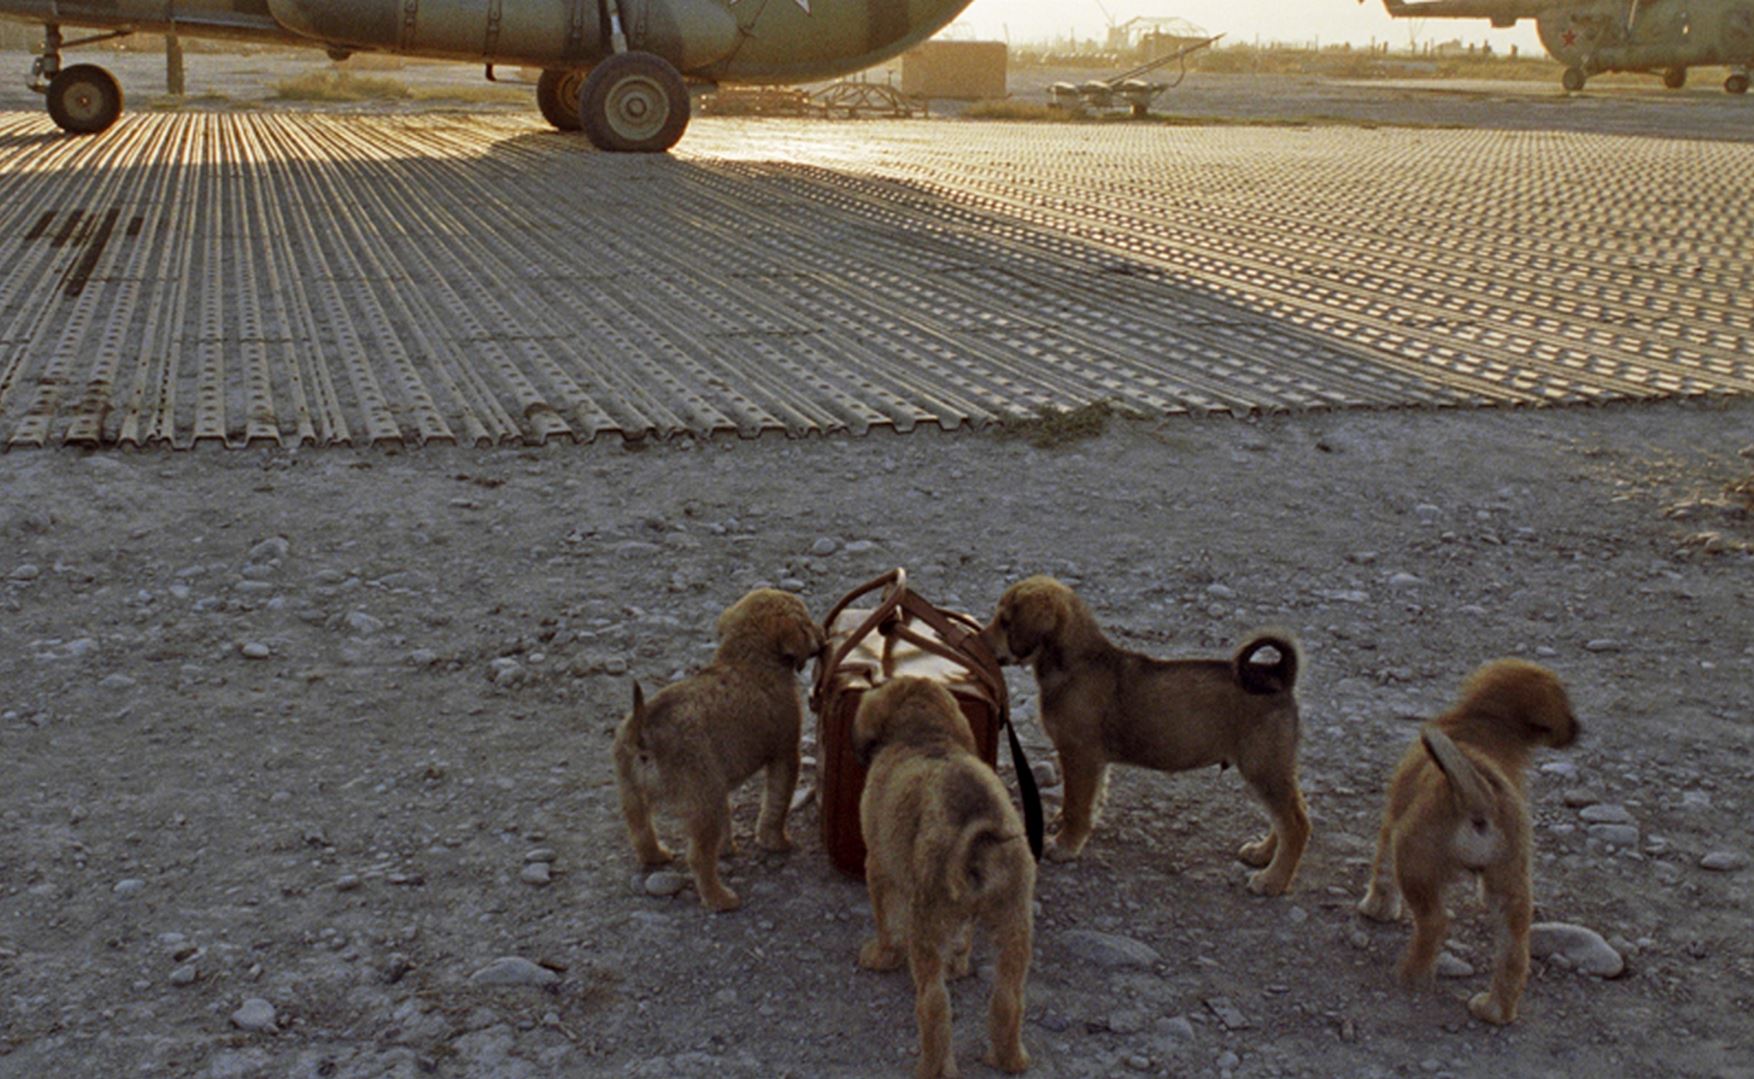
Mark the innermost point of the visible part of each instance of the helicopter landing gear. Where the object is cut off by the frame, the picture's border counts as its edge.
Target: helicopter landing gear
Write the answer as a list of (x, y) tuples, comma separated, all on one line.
[(1573, 79), (557, 95), (1675, 78), (83, 99), (634, 102), (1737, 83)]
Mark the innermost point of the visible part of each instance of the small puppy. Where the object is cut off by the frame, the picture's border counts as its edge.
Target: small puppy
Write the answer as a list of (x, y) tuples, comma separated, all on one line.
[(702, 737), (945, 849), (1456, 806), (1103, 704)]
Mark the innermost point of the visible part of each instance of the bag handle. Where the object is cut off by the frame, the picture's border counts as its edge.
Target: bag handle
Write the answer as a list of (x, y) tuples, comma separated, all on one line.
[(960, 643)]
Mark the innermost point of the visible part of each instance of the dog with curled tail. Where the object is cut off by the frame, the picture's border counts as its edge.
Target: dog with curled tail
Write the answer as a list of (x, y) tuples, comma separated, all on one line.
[(1457, 808), (945, 850), (1102, 704), (699, 739)]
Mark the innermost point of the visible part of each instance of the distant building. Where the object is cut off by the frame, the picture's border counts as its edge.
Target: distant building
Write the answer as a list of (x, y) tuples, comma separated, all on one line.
[(955, 70)]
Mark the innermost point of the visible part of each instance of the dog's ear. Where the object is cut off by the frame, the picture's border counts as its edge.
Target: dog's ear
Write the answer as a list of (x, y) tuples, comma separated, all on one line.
[(1477, 839), (637, 718)]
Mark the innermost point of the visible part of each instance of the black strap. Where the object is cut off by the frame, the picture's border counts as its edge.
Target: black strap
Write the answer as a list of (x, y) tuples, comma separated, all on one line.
[(1032, 822)]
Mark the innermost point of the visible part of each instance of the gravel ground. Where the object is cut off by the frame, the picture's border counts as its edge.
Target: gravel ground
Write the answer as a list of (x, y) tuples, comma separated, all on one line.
[(286, 732)]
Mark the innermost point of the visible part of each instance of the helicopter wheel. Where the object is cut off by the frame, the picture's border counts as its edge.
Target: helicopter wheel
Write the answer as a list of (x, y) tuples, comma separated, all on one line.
[(1675, 78), (634, 102), (1736, 84), (1573, 79), (84, 99), (557, 95)]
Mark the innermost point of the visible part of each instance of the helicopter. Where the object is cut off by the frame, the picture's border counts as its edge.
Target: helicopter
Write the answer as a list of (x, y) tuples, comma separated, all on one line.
[(1594, 36), (619, 70)]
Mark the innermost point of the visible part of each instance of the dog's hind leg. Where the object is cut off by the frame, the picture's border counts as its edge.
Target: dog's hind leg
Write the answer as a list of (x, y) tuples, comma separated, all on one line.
[(1281, 849), (1512, 910), (776, 801), (1085, 778), (637, 813), (1382, 899), (1005, 1014), (880, 952), (708, 827), (1430, 927), (931, 1004)]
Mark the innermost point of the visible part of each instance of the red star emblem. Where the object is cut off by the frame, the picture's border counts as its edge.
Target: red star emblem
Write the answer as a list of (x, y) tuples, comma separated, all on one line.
[(1570, 37)]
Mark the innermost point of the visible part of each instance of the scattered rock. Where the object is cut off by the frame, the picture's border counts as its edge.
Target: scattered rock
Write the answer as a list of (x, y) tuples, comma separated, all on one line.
[(129, 887), (1615, 835), (537, 873), (1228, 1014), (824, 547), (255, 1016), (116, 681), (364, 624), (1582, 949), (1607, 813), (347, 882), (26, 572), (1177, 1029), (255, 650), (540, 854), (513, 970), (1602, 644), (187, 974), (665, 883), (1108, 950), (1452, 966), (1404, 580), (1723, 861)]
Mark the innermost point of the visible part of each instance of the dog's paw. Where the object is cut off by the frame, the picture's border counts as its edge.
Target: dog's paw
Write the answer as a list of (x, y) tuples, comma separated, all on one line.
[(1420, 977), (874, 956), (1062, 852), (1256, 854), (725, 900), (1265, 883), (1012, 1061), (657, 856), (1380, 906), (961, 965), (779, 844), (1482, 1007)]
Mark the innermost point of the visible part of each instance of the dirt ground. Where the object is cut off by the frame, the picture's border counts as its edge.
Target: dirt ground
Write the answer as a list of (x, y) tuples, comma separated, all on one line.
[(293, 725)]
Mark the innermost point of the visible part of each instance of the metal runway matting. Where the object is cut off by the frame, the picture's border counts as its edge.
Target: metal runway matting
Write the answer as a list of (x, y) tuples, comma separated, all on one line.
[(279, 278)]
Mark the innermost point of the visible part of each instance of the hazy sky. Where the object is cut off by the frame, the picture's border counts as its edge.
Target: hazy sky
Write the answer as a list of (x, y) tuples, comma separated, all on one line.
[(1329, 21)]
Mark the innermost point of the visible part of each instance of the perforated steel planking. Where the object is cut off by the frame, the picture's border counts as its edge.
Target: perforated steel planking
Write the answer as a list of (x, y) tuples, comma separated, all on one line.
[(270, 278)]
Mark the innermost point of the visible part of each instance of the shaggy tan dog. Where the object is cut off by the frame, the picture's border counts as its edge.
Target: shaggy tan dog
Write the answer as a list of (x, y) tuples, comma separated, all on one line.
[(1103, 704), (945, 849), (702, 737), (1456, 807)]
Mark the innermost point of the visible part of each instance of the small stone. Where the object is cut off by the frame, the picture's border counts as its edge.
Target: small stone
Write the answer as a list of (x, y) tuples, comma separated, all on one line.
[(255, 650), (1221, 591), (130, 887), (1404, 580), (505, 671), (185, 975), (1177, 1029), (1615, 835), (1427, 512), (1723, 861), (1602, 644), (1582, 949), (615, 665), (1228, 1014), (665, 883), (513, 970), (536, 873), (824, 547), (1046, 775), (1108, 950), (347, 882), (116, 681), (1579, 797), (269, 550), (859, 546), (1228, 1060), (26, 572), (1607, 813), (792, 584), (1126, 1023), (1139, 1062), (803, 796), (540, 854), (364, 624), (422, 657), (255, 1016), (1451, 966)]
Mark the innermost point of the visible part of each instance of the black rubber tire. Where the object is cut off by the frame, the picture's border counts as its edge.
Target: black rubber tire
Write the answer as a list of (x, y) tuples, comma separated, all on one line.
[(634, 102), (557, 95), (1572, 80), (85, 99), (1736, 84), (1675, 78)]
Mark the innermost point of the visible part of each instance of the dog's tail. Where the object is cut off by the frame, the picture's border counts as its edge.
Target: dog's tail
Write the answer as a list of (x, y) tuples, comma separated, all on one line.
[(976, 865), (1477, 840), (1277, 677)]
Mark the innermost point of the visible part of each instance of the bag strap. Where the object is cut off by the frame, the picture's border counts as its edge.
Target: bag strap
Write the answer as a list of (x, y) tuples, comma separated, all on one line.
[(960, 643)]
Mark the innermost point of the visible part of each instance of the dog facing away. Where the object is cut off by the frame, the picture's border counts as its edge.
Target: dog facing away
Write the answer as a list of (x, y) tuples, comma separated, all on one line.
[(944, 849), (1102, 704), (699, 739), (1456, 807)]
